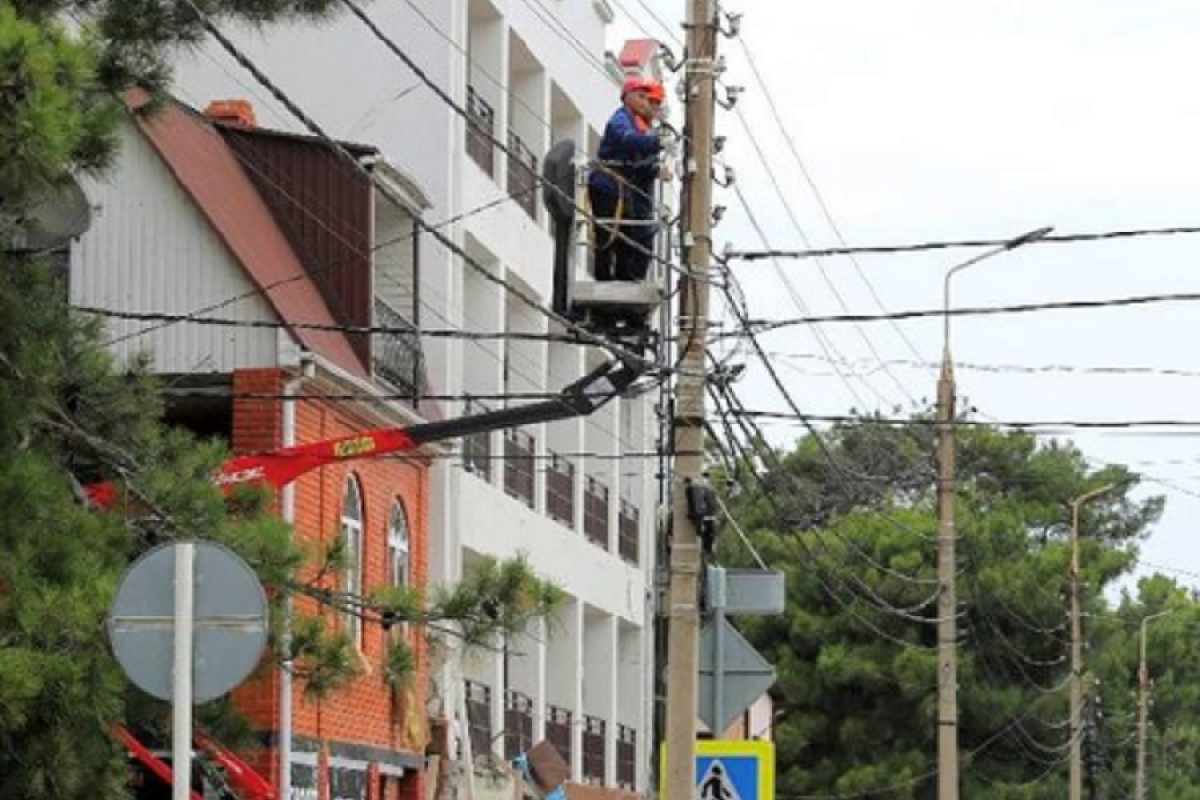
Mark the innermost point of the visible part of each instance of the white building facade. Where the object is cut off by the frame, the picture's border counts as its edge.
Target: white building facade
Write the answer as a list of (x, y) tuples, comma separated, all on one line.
[(577, 498)]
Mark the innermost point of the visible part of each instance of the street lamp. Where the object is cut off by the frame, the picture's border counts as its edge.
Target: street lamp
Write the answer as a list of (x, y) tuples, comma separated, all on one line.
[(1075, 785), (1143, 703), (947, 719)]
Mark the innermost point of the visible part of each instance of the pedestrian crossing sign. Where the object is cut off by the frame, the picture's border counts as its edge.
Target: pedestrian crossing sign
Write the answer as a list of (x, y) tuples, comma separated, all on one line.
[(732, 770)]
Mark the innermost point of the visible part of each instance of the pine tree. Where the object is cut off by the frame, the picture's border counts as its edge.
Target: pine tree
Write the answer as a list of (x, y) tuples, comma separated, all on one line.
[(69, 414)]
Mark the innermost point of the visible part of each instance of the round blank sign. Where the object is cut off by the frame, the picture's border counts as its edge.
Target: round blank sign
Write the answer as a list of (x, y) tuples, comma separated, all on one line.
[(229, 621)]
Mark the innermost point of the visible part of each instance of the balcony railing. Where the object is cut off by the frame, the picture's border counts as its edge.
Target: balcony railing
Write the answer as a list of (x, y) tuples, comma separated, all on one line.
[(595, 512), (522, 174), (518, 724), (626, 757), (481, 127), (628, 526), (397, 353), (477, 448), (560, 490), (558, 730), (479, 717), (518, 465), (594, 729)]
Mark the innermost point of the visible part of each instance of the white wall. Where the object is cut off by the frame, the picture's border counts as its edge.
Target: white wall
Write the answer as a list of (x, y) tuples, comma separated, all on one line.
[(151, 250)]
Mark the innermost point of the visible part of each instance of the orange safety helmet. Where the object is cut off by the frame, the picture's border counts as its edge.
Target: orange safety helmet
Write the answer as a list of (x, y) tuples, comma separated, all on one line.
[(636, 84), (656, 93)]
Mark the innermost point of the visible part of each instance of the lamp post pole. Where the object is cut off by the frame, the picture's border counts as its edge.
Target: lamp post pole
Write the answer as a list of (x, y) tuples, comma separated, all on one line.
[(1075, 728), (947, 626), (1143, 711)]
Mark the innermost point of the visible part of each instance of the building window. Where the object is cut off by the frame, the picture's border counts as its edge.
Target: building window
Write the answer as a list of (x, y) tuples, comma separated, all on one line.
[(481, 128), (558, 730), (560, 490), (352, 540), (595, 731), (399, 544), (477, 447), (626, 757), (479, 718), (595, 512), (518, 465), (518, 723), (628, 531), (522, 174)]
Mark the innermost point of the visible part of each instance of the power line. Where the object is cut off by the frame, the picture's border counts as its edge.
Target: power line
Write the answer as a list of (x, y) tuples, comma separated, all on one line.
[(618, 350), (758, 255), (800, 541), (228, 322), (764, 326), (812, 185), (806, 418), (504, 147), (782, 274), (576, 45), (444, 240), (1002, 368), (310, 273), (724, 395), (822, 338), (668, 29)]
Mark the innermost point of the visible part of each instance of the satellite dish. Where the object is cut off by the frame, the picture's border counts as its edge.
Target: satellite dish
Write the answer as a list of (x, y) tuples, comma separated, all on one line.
[(51, 223)]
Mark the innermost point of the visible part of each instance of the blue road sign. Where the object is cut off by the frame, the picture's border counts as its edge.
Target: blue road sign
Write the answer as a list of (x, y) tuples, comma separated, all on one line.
[(733, 770)]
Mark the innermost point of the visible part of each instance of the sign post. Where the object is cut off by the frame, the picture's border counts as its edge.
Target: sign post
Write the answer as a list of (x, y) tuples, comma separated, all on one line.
[(732, 673), (181, 672), (188, 623)]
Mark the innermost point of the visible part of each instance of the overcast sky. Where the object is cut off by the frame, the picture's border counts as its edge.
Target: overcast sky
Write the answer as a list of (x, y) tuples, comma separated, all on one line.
[(922, 120)]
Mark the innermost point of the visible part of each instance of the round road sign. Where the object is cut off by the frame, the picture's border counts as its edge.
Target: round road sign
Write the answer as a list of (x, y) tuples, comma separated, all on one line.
[(229, 621)]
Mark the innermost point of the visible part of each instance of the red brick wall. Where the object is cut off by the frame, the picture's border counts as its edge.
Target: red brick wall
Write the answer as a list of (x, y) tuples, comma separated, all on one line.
[(367, 712)]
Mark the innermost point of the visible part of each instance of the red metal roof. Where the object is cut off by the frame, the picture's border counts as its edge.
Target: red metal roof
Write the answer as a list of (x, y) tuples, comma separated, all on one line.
[(208, 170)]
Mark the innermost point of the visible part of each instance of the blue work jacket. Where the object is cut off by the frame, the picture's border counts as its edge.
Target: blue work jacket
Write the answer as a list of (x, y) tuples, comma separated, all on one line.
[(631, 155)]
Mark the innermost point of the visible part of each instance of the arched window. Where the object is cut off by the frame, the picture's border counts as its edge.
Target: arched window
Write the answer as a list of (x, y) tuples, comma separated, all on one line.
[(399, 544), (352, 535)]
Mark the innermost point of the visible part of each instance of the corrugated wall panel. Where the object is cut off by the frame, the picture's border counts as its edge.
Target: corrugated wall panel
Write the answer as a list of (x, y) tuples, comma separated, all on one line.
[(150, 250), (324, 207)]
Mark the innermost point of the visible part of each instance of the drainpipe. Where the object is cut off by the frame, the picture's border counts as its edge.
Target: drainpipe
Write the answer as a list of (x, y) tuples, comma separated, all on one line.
[(287, 502)]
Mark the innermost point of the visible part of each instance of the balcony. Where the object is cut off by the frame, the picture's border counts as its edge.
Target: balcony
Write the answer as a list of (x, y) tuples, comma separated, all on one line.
[(479, 718), (626, 757), (628, 534), (477, 448), (518, 465), (481, 130), (558, 730), (397, 353), (594, 729), (522, 174), (560, 490), (595, 512), (518, 724)]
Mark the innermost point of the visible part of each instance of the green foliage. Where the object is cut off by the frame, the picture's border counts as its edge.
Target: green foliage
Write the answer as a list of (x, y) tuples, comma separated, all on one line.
[(854, 530), (69, 415), (56, 118)]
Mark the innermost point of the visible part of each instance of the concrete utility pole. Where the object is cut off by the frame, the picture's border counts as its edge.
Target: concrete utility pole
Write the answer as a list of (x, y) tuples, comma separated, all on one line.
[(947, 607), (1143, 708), (1075, 728), (685, 564), (947, 568)]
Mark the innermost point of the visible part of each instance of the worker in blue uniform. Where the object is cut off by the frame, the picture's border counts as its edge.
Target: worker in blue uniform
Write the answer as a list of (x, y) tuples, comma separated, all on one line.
[(621, 185)]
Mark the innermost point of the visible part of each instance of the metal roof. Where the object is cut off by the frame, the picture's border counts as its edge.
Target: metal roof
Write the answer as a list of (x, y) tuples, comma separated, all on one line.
[(209, 172)]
